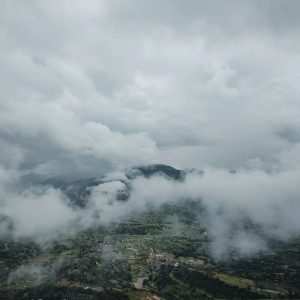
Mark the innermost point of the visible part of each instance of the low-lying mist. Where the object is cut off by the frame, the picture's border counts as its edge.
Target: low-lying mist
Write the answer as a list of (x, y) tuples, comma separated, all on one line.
[(231, 200)]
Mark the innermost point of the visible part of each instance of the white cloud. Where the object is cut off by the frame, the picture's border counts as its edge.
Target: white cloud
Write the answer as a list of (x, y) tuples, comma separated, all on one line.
[(103, 85), (114, 80)]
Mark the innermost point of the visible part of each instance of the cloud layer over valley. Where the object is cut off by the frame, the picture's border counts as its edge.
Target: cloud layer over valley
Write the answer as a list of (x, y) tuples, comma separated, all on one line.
[(90, 88)]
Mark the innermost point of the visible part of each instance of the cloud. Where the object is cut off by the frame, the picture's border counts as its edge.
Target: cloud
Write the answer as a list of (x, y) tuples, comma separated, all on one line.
[(36, 273), (242, 210), (115, 83), (93, 88), (38, 214), (268, 201)]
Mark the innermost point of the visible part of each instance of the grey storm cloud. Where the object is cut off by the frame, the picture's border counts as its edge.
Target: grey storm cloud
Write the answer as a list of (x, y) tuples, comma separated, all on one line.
[(124, 82), (89, 87)]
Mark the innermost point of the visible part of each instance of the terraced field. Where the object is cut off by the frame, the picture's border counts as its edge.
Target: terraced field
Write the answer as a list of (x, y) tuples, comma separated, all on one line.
[(150, 256)]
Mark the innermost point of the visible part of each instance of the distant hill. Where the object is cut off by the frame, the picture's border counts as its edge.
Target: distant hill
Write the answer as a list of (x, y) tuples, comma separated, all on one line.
[(79, 191), (156, 169)]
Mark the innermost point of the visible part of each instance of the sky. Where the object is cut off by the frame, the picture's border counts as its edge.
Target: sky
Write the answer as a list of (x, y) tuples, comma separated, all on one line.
[(91, 87)]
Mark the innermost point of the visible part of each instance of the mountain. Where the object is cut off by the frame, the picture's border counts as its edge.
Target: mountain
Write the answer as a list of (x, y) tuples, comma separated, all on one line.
[(156, 169), (79, 191)]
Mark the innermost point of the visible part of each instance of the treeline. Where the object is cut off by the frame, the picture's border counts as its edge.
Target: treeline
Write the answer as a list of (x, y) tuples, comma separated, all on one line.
[(50, 292), (213, 286), (183, 283)]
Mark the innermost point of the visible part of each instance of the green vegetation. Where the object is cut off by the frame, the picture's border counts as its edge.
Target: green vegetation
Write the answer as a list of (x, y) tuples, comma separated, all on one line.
[(162, 253)]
